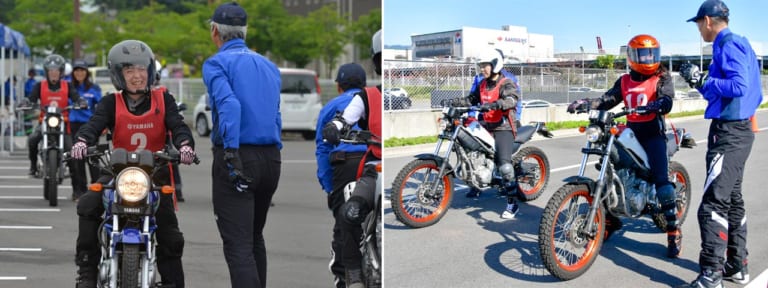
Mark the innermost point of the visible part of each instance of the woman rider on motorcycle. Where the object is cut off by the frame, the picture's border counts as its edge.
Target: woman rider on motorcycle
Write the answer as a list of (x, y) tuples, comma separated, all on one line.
[(648, 84), (498, 94)]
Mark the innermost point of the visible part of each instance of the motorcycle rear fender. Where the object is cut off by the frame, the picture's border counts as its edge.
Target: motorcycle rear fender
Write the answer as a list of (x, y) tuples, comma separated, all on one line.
[(436, 158), (581, 180)]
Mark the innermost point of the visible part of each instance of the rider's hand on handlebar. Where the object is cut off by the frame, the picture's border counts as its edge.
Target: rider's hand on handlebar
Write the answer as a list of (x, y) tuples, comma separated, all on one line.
[(578, 106), (240, 180), (79, 150), (490, 106), (653, 106), (186, 155)]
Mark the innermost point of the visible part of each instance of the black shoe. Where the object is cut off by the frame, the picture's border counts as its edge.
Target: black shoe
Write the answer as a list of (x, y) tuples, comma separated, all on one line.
[(612, 224), (33, 171), (180, 199), (473, 193), (354, 278), (736, 274), (707, 279), (86, 277), (674, 243)]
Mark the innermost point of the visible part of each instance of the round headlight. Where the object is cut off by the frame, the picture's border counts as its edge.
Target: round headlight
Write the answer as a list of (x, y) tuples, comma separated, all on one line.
[(594, 134), (53, 121), (133, 184)]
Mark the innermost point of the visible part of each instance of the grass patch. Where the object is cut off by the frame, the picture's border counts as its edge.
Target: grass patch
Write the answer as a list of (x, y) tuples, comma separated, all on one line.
[(396, 142)]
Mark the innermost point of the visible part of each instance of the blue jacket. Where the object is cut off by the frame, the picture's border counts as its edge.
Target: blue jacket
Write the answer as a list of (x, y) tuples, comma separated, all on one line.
[(244, 89), (93, 96), (323, 150), (28, 86), (733, 89), (479, 77)]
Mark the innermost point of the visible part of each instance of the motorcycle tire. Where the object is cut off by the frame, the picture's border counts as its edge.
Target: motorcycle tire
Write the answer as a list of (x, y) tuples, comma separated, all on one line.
[(51, 180), (679, 176), (531, 181), (555, 237), (130, 268), (420, 209), (372, 252)]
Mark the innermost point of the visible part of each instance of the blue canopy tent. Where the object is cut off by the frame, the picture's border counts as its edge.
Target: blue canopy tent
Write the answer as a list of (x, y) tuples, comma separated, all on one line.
[(12, 47)]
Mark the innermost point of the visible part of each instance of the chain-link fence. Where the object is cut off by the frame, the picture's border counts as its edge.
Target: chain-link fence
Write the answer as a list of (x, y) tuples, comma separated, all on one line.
[(423, 85)]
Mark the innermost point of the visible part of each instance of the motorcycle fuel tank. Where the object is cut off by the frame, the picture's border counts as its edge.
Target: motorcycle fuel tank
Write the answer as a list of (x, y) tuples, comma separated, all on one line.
[(476, 130), (629, 141)]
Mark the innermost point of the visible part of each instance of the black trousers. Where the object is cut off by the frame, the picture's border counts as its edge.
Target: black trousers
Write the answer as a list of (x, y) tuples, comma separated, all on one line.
[(352, 233), (77, 169), (170, 240), (241, 216), (344, 171), (722, 218)]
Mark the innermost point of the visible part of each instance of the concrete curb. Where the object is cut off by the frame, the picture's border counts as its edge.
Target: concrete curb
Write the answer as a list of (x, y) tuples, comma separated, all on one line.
[(411, 150)]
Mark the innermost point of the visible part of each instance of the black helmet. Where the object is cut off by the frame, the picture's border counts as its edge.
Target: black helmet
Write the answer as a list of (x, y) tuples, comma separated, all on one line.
[(54, 61), (130, 53)]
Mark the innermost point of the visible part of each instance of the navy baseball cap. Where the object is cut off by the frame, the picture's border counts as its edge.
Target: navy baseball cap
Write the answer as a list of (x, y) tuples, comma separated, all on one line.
[(351, 74), (79, 63), (230, 14), (711, 8)]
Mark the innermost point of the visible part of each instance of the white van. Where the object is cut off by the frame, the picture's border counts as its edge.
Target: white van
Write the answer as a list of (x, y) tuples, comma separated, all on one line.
[(300, 104)]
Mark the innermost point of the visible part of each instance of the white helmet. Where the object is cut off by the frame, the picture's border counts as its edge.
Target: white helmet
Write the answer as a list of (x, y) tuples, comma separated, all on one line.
[(376, 51), (494, 57)]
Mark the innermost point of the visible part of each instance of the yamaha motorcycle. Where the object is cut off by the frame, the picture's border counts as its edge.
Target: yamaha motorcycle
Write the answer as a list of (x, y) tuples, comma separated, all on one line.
[(131, 198), (423, 189), (572, 228), (49, 161), (370, 244)]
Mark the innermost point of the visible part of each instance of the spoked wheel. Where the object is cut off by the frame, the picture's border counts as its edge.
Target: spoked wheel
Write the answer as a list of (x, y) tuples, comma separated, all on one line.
[(566, 249), (679, 177), (414, 201), (532, 170)]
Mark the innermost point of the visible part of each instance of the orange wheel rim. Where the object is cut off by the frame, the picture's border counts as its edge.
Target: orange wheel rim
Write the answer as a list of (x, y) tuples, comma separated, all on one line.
[(591, 247), (443, 204), (540, 181), (681, 205)]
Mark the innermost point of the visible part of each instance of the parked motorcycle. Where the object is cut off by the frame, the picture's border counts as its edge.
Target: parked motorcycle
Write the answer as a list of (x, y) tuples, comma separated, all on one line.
[(423, 189), (131, 199), (572, 228), (49, 161), (370, 244)]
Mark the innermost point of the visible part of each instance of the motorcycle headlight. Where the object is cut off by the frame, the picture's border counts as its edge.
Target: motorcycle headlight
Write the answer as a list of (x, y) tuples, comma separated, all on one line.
[(594, 134), (442, 124), (53, 121), (132, 185)]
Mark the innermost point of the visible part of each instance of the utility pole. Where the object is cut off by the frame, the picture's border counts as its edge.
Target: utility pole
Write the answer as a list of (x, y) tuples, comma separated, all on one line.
[(77, 32)]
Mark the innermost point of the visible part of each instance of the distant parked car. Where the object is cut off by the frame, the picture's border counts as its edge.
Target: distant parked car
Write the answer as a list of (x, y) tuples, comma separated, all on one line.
[(579, 89), (536, 103), (202, 114), (396, 102), (397, 91)]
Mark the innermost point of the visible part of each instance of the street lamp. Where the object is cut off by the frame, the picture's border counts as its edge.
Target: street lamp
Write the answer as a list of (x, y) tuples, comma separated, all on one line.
[(582, 65)]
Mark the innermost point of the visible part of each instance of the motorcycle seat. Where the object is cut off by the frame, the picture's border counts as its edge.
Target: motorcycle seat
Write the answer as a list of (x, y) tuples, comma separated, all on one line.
[(524, 133)]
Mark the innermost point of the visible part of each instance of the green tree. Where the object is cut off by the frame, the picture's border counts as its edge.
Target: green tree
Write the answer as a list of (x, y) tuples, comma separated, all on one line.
[(329, 32), (266, 19), (46, 25), (605, 61), (296, 42), (8, 6), (363, 29)]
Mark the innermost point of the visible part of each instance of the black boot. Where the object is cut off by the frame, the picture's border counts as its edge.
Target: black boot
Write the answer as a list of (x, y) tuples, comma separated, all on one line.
[(355, 278), (87, 271), (32, 169)]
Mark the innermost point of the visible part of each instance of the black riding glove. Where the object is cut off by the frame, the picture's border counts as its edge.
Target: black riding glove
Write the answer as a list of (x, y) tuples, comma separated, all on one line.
[(331, 133), (692, 75), (240, 180)]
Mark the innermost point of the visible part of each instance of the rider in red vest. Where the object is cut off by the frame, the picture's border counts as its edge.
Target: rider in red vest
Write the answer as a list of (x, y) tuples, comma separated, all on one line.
[(51, 90), (139, 117), (647, 84), (497, 96), (365, 109)]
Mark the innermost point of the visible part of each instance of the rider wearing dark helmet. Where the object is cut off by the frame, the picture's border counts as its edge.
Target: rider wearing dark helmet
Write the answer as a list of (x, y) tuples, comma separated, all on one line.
[(647, 84), (125, 113), (51, 90)]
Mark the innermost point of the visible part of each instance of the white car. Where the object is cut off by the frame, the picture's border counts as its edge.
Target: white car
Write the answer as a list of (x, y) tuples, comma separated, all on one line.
[(397, 92), (300, 104), (536, 103)]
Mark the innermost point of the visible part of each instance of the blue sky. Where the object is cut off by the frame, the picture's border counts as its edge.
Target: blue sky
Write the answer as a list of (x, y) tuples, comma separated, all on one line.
[(574, 23)]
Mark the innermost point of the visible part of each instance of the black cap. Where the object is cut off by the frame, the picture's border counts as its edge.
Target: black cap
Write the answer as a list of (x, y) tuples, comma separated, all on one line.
[(351, 74), (711, 8), (79, 63), (230, 14)]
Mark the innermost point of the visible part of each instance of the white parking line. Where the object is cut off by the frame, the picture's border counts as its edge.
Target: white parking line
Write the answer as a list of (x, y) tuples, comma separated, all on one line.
[(28, 197), (14, 177), (26, 227), (12, 168), (30, 210), (759, 282), (13, 278), (21, 249)]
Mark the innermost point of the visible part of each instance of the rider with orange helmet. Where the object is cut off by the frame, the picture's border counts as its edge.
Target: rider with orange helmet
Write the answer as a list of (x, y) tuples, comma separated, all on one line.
[(648, 84)]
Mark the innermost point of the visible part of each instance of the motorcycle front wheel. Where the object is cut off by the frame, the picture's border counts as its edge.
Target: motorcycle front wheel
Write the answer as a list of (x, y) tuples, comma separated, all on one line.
[(532, 171), (414, 201), (568, 252), (51, 179), (130, 270)]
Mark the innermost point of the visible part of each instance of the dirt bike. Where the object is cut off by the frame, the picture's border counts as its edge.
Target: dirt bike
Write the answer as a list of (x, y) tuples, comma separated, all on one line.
[(370, 244), (131, 199), (423, 189), (49, 161), (572, 228)]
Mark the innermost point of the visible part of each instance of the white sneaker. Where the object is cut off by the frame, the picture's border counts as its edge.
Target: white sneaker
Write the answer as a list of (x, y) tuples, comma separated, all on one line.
[(511, 211)]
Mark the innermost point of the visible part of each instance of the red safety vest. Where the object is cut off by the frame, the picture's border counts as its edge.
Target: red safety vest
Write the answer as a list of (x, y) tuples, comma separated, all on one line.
[(374, 117), (60, 96), (639, 94), (140, 132), (495, 116)]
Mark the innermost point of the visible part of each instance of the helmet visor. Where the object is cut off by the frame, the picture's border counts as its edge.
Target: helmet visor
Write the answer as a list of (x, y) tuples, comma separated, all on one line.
[(644, 55)]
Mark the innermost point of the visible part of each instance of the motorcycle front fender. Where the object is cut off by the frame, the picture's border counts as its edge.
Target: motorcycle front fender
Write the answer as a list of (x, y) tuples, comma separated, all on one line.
[(439, 160), (131, 236), (581, 180)]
